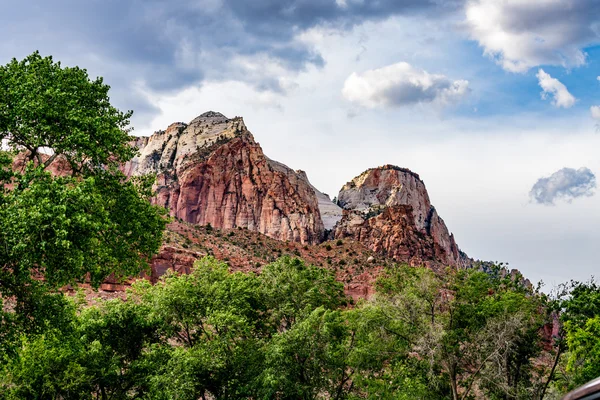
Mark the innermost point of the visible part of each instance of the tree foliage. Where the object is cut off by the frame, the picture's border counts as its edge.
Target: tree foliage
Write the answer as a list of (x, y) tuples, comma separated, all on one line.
[(85, 221), (46, 105), (579, 306), (286, 334)]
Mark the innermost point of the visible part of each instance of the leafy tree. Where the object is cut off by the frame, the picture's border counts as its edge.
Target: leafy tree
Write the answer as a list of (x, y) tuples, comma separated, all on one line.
[(579, 306), (219, 320), (80, 226), (310, 359), (293, 290), (226, 321), (584, 350), (99, 352), (466, 323), (46, 105)]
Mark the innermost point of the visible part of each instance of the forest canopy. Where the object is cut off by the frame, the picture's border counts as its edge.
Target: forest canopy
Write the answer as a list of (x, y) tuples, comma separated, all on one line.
[(290, 332)]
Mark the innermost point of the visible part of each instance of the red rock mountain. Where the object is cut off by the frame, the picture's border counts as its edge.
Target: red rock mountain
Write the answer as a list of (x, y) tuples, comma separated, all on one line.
[(211, 171), (388, 210)]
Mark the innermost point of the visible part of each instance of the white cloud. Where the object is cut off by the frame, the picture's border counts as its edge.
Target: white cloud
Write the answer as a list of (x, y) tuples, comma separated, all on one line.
[(522, 34), (595, 110), (555, 88), (566, 183), (401, 84)]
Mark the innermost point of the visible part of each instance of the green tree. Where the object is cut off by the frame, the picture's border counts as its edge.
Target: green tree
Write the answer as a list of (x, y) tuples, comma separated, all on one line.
[(98, 352), (81, 226), (310, 359), (219, 321), (293, 290), (477, 329), (584, 350), (46, 105), (225, 324), (579, 307)]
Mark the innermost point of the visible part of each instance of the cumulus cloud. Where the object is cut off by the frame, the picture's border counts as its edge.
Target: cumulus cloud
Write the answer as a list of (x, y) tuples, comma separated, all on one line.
[(521, 34), (401, 84), (595, 111), (555, 88), (566, 183)]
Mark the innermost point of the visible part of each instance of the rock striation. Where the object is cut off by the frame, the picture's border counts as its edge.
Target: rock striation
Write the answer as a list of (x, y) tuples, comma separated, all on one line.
[(388, 210), (212, 171)]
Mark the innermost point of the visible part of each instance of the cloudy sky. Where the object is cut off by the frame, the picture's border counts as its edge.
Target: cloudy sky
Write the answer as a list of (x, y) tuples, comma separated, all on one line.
[(495, 103)]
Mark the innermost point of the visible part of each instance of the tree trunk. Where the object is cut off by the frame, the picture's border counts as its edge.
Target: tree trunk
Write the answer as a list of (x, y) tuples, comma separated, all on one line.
[(453, 382)]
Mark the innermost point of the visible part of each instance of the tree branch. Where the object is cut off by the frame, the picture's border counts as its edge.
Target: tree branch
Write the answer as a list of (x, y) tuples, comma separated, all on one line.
[(49, 160)]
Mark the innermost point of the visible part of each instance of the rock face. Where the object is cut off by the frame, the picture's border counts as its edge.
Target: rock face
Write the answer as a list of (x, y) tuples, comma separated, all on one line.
[(330, 212), (388, 210), (211, 171)]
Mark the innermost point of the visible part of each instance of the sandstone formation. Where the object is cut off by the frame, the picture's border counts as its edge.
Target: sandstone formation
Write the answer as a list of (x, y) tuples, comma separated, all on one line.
[(330, 212), (388, 209), (211, 171)]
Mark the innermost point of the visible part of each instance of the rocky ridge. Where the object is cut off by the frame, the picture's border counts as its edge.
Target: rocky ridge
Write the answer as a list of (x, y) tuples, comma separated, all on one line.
[(214, 178), (330, 212), (211, 173)]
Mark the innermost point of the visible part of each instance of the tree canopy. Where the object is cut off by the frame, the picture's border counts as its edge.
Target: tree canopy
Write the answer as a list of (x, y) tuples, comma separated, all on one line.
[(44, 105), (216, 334), (82, 224)]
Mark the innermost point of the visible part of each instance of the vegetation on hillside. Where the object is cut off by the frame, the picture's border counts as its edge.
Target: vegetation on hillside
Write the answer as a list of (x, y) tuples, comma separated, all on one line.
[(289, 333)]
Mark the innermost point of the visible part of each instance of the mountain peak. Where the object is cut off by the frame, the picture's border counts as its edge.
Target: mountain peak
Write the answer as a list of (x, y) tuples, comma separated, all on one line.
[(388, 209), (210, 116), (390, 167)]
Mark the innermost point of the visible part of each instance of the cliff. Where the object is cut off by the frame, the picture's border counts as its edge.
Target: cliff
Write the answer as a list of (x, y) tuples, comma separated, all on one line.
[(211, 171), (388, 210)]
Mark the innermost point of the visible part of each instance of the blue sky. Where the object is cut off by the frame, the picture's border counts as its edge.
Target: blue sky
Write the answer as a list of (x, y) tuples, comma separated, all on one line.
[(450, 89)]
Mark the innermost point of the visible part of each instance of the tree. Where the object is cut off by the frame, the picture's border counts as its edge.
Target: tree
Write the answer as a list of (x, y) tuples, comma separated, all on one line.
[(97, 352), (79, 226), (45, 105), (218, 320), (476, 329), (584, 350), (224, 324), (579, 306), (293, 290), (310, 358)]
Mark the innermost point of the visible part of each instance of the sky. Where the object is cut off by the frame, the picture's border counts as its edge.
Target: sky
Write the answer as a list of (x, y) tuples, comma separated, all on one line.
[(495, 103)]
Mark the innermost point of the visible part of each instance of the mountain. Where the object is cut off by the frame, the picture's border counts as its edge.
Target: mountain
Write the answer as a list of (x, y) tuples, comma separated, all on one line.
[(389, 211), (212, 171), (231, 201)]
